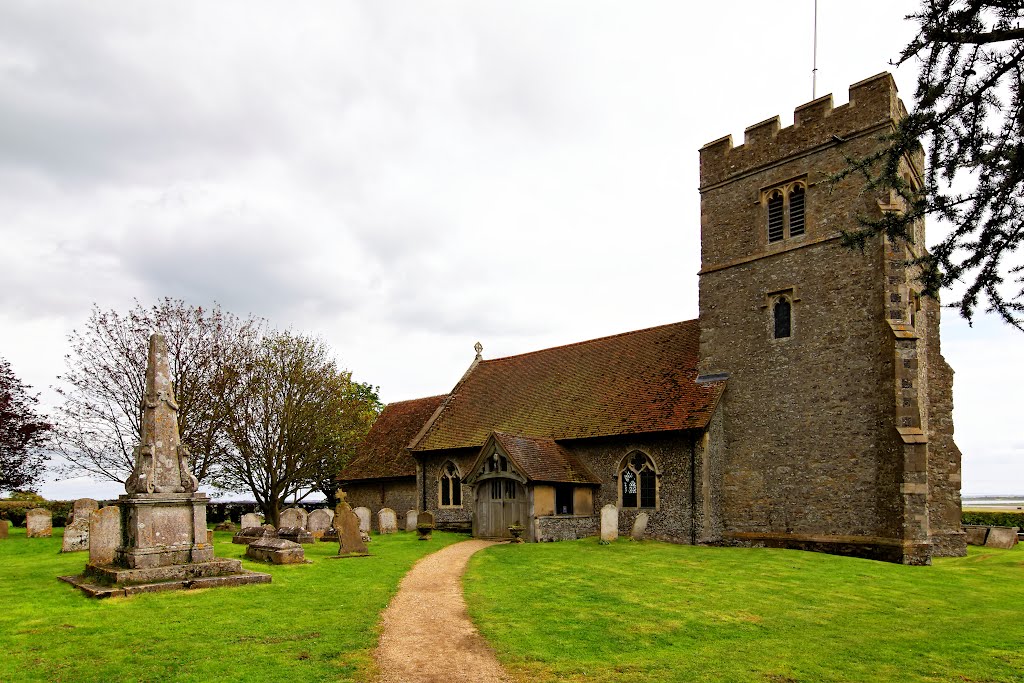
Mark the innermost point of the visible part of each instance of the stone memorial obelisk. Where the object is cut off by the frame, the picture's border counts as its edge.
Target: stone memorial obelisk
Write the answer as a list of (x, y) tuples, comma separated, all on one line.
[(163, 542), (163, 516)]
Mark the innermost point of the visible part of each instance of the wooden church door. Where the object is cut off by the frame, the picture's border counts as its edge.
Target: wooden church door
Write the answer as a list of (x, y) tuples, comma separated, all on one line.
[(501, 502)]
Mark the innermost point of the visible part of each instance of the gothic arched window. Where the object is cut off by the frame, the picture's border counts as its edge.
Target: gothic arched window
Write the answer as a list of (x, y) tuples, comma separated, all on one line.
[(782, 315), (638, 483), (450, 486)]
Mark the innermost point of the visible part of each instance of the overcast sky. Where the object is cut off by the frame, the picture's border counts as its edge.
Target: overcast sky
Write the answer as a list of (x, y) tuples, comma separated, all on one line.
[(407, 178)]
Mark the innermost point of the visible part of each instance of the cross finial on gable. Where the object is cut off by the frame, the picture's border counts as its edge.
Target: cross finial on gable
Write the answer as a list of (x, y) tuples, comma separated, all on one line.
[(479, 348)]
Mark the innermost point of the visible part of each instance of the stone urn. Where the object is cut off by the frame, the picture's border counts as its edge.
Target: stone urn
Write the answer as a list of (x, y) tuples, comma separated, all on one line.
[(517, 532), (424, 531)]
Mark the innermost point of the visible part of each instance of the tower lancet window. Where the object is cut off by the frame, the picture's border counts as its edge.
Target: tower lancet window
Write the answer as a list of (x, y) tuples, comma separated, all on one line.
[(785, 208)]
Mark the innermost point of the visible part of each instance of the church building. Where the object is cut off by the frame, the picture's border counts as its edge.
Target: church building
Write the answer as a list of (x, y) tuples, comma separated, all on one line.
[(809, 405)]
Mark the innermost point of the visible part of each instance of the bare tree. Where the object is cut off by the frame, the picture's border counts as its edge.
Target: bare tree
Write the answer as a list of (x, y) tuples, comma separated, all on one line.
[(23, 433), (969, 112), (100, 419), (291, 413)]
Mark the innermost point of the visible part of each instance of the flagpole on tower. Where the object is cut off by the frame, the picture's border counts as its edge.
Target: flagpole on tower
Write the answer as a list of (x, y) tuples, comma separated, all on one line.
[(814, 59)]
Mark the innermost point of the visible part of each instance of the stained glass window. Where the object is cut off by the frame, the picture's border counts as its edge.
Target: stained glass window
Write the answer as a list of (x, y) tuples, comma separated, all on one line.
[(639, 482)]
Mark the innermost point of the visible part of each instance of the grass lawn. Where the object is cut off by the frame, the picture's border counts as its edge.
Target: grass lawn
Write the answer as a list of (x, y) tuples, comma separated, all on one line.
[(579, 611), (315, 622)]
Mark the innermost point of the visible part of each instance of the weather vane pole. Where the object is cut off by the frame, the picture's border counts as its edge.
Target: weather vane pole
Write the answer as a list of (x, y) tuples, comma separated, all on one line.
[(814, 58)]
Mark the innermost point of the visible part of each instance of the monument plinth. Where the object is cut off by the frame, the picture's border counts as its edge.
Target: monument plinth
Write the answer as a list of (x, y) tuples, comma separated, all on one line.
[(163, 542)]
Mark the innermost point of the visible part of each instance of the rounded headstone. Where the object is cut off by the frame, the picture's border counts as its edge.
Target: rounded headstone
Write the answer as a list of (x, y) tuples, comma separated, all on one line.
[(251, 519), (410, 520), (319, 522), (387, 522), (639, 526), (294, 517), (364, 518), (82, 508)]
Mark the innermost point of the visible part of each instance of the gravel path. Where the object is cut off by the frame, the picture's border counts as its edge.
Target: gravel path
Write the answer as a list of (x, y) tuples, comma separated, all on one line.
[(427, 635)]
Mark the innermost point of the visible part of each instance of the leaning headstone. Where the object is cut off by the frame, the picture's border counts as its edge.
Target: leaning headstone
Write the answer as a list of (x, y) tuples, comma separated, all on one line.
[(350, 538), (296, 534), (609, 523), (76, 534), (293, 517), (38, 523), (639, 527), (3, 528), (1001, 537), (319, 522), (364, 518), (425, 525), (82, 508), (251, 519), (253, 533), (104, 534), (276, 550), (975, 534), (410, 520), (387, 522)]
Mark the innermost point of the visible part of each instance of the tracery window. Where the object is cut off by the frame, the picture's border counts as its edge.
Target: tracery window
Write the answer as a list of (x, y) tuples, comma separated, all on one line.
[(785, 210), (450, 486), (638, 482)]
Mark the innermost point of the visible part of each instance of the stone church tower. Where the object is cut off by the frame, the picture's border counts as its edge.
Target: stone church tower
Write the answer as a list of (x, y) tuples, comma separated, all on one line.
[(838, 407)]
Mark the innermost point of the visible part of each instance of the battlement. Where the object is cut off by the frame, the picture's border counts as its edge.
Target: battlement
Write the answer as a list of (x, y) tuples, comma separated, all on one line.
[(873, 103)]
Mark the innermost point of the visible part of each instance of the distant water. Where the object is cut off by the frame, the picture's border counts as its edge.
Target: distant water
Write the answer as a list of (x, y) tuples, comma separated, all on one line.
[(993, 501)]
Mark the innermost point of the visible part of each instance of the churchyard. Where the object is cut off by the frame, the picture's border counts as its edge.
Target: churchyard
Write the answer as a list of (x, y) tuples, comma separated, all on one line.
[(572, 611)]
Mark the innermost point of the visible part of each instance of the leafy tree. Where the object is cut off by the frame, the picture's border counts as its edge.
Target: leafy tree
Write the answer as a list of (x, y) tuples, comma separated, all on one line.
[(969, 110), (23, 433), (101, 417), (294, 415)]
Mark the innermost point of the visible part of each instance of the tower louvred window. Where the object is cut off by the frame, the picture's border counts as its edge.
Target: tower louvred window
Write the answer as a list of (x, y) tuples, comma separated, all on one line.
[(786, 211), (796, 211), (775, 217)]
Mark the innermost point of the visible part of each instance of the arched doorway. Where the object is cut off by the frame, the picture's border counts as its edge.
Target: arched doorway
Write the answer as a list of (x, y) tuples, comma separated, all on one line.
[(500, 503)]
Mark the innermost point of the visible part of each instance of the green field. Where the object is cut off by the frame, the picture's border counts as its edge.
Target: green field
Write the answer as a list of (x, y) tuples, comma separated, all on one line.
[(572, 611), (315, 622), (630, 612)]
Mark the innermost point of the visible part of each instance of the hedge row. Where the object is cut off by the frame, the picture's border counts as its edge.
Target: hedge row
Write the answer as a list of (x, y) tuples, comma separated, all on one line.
[(993, 518), (15, 510)]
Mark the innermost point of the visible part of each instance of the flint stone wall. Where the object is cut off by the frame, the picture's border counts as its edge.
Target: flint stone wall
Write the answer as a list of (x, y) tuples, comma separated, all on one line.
[(563, 528)]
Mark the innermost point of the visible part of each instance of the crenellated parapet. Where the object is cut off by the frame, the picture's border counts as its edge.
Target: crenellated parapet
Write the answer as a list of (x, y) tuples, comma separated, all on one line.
[(873, 105)]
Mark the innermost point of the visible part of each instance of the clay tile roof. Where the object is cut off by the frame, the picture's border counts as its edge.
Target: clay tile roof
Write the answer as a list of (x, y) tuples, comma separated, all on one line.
[(383, 452), (545, 460), (636, 382)]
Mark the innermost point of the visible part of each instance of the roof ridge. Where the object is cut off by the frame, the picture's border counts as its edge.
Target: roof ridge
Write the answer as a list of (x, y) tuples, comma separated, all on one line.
[(414, 400), (589, 341)]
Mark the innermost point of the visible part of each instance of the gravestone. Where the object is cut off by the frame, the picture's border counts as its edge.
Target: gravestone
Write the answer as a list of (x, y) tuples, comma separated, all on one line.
[(209, 536), (639, 527), (82, 508), (76, 534), (3, 528), (276, 551), (1001, 537), (251, 519), (294, 517), (252, 533), (975, 534), (425, 525), (38, 523), (350, 541), (162, 544), (364, 518), (319, 522), (226, 525), (410, 520), (365, 537), (609, 523), (387, 522), (296, 534), (104, 534)]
